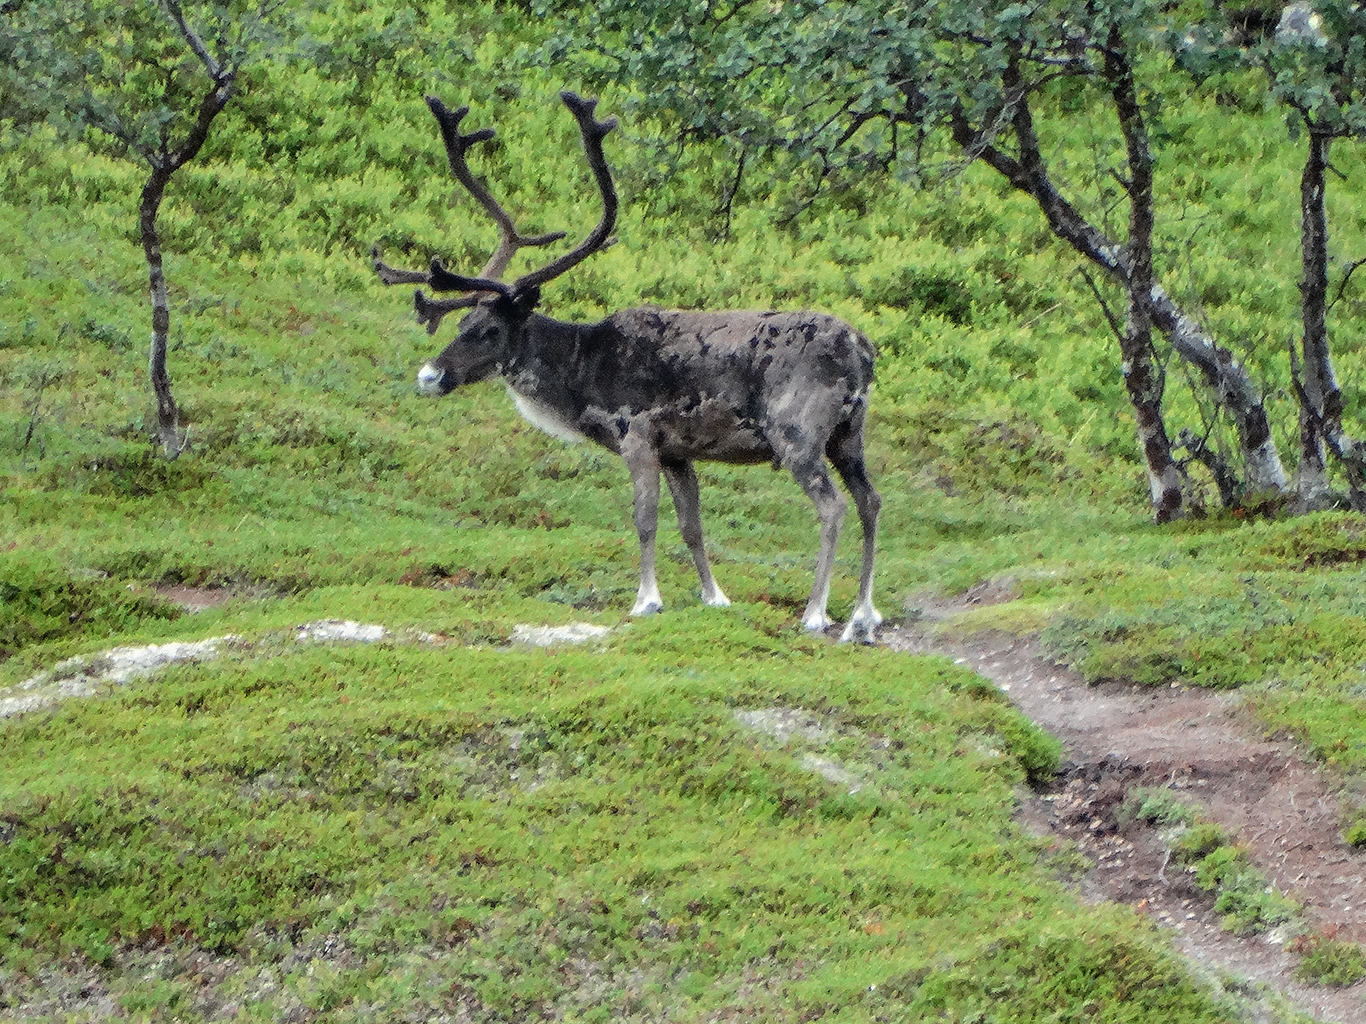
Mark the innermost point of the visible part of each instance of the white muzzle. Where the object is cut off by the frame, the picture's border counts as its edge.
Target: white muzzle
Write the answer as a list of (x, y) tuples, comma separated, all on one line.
[(429, 380)]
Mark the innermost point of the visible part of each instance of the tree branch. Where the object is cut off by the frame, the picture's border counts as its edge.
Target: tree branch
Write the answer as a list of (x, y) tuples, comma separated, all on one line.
[(1110, 317), (1342, 285), (727, 206), (1221, 371), (1200, 451), (210, 107), (112, 125), (173, 11)]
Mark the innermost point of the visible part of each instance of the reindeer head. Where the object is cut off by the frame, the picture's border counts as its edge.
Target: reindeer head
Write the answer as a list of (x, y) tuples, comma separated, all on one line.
[(486, 340), (490, 331)]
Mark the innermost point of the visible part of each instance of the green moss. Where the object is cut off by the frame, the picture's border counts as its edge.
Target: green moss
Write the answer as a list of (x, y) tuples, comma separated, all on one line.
[(604, 805), (1199, 841), (1330, 539), (1156, 806), (1243, 896), (42, 601), (1027, 976), (1355, 833)]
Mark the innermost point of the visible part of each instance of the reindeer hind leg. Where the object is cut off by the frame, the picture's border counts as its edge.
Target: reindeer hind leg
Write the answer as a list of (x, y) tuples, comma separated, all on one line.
[(807, 465), (643, 462), (845, 450)]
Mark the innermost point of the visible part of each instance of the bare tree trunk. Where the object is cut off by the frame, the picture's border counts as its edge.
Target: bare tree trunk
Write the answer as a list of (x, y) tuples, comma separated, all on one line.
[(1312, 484), (1311, 478), (1320, 397), (168, 416), (163, 165), (1141, 378), (1221, 372)]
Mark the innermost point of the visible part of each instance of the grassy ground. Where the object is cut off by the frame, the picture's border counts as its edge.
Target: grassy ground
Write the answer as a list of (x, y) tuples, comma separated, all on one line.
[(593, 831), (361, 832), (416, 828)]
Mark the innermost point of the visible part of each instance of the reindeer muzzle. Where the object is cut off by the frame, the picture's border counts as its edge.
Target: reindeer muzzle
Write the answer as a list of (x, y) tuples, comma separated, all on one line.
[(432, 381)]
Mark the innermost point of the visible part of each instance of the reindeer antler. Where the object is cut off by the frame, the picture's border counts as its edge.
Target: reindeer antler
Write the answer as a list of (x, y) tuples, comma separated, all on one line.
[(456, 145), (593, 132), (444, 281), (428, 311)]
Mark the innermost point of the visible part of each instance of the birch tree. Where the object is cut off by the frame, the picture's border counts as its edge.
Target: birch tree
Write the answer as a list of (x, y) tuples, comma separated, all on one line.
[(1317, 63), (150, 76), (1314, 58)]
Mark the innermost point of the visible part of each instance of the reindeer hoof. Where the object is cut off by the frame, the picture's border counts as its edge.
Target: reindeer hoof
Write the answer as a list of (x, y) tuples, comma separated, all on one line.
[(858, 632), (816, 622), (716, 600), (862, 625), (647, 607)]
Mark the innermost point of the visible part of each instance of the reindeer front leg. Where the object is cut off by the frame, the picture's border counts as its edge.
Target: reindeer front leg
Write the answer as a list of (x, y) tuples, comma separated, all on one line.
[(642, 460), (682, 481)]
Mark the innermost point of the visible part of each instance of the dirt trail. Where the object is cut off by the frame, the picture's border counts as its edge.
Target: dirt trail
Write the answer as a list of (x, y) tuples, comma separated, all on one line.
[(1203, 744)]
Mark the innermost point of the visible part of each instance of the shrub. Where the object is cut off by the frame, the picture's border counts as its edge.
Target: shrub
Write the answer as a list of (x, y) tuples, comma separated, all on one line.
[(1331, 962)]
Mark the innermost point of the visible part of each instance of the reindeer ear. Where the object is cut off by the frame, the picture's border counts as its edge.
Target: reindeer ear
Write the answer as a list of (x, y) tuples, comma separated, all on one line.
[(525, 300)]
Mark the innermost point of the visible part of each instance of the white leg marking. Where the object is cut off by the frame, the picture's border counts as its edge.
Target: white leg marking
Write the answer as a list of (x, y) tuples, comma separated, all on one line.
[(648, 600), (815, 619), (816, 622), (862, 624), (715, 599)]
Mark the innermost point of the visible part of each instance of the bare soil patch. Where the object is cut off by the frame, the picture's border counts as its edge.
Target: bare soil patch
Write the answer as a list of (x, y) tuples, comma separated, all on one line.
[(196, 599), (1204, 744)]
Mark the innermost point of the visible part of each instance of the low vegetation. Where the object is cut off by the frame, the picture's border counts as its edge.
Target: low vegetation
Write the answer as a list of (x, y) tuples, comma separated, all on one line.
[(1331, 962), (444, 824), (594, 830)]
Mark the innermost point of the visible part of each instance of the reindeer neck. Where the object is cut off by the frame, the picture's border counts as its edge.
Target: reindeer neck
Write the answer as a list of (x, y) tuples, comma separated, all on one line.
[(537, 359), (543, 372)]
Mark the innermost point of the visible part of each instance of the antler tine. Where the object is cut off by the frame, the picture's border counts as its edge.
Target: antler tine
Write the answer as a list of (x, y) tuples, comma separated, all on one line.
[(430, 311), (456, 146), (593, 131), (393, 275), (442, 280)]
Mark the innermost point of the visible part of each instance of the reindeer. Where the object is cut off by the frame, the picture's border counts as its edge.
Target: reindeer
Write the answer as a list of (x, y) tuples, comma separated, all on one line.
[(662, 388)]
